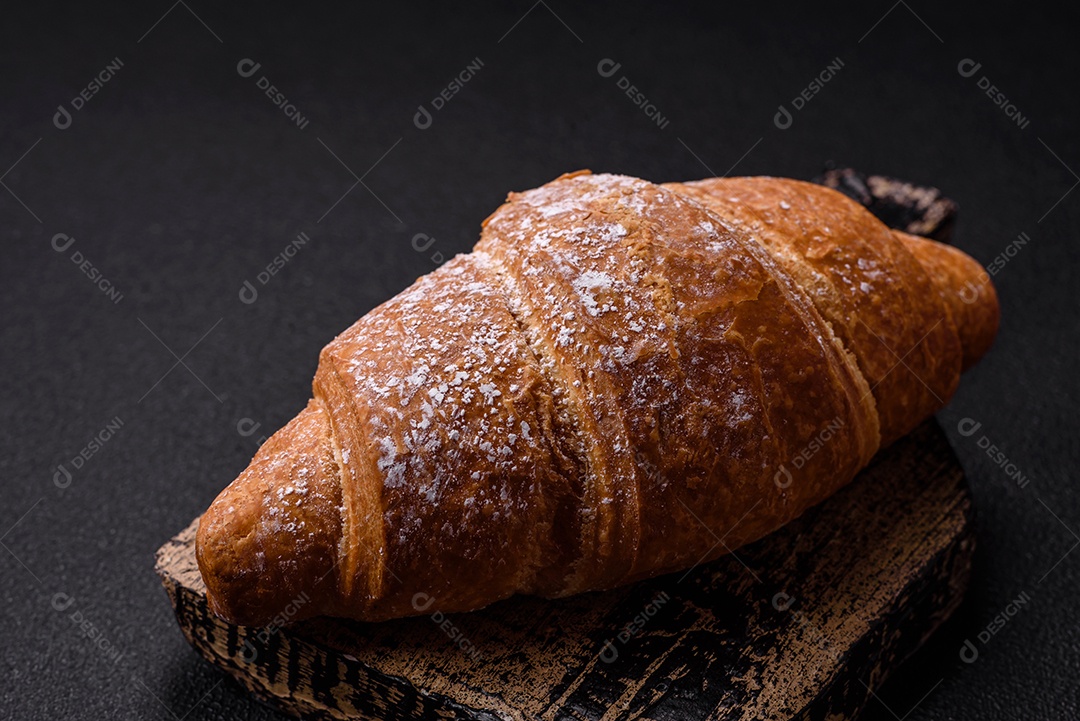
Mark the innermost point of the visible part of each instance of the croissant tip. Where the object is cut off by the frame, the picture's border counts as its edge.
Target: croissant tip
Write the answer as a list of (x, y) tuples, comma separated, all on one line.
[(273, 531), (967, 290), (230, 570), (978, 345)]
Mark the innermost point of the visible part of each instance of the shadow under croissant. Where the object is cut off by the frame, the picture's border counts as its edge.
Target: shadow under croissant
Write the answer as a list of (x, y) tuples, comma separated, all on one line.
[(804, 622)]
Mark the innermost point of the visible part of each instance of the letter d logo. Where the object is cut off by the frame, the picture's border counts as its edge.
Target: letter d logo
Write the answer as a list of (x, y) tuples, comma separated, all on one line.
[(61, 242), (62, 118), (968, 67), (969, 293), (248, 294), (968, 652), (610, 653), (62, 477), (422, 601), (248, 653), (968, 426), (62, 601), (421, 242), (247, 427), (247, 67), (607, 67), (783, 478), (782, 119), (422, 119), (782, 601)]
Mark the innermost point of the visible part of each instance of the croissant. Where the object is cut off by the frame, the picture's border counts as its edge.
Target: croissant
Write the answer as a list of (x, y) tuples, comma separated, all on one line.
[(622, 380)]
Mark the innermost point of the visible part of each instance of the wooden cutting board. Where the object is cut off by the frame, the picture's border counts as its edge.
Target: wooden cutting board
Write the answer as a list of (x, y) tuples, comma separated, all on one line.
[(802, 624)]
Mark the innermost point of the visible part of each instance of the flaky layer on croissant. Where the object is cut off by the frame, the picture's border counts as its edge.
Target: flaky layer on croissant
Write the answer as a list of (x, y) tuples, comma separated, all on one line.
[(622, 379)]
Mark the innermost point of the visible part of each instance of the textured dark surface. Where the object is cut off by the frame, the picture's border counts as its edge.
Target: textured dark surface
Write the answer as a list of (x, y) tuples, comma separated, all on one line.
[(180, 180)]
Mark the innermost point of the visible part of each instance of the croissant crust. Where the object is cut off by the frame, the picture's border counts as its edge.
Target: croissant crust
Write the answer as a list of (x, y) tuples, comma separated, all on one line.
[(620, 374)]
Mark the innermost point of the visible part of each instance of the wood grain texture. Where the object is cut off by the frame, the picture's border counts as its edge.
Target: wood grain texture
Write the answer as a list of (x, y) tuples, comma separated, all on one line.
[(916, 209), (801, 624)]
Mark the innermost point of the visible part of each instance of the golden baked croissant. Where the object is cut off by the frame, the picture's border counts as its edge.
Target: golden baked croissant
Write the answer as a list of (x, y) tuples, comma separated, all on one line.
[(618, 375)]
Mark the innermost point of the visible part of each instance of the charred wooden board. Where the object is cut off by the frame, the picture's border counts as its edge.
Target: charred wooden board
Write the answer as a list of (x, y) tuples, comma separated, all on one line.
[(917, 209), (802, 624)]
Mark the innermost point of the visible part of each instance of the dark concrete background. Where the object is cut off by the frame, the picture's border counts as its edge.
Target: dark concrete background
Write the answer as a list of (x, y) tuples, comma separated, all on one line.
[(180, 180)]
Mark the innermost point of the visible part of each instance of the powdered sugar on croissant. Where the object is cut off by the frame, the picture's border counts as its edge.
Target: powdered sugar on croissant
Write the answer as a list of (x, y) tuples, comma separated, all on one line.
[(619, 374)]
